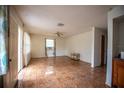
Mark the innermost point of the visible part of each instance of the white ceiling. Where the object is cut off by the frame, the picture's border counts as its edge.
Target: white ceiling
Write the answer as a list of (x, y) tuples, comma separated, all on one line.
[(76, 19)]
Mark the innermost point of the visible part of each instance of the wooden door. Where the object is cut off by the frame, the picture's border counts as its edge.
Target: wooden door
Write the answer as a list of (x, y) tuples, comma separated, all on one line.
[(102, 49), (13, 54), (12, 75)]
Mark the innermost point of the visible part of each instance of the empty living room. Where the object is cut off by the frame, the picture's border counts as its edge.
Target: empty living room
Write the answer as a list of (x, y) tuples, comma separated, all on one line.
[(61, 46)]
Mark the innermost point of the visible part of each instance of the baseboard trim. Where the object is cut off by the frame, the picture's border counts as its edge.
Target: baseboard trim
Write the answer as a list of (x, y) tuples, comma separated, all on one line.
[(47, 57), (108, 84), (79, 60)]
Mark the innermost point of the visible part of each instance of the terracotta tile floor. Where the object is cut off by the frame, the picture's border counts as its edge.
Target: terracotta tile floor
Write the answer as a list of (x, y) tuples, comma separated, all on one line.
[(61, 72)]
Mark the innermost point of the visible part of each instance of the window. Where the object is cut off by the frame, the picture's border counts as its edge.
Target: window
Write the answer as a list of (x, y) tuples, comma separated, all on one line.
[(49, 43)]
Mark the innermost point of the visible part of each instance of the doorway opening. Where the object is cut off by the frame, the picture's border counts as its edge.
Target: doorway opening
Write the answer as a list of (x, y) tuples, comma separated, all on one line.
[(102, 50), (50, 47)]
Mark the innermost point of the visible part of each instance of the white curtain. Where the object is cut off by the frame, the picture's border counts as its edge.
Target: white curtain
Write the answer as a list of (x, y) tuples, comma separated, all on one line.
[(3, 40)]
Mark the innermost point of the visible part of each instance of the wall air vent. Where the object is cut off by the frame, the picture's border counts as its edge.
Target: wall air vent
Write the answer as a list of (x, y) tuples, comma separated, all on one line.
[(60, 24)]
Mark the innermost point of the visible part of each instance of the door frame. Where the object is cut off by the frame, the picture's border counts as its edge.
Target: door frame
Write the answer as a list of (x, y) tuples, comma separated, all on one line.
[(102, 50), (7, 78), (54, 47)]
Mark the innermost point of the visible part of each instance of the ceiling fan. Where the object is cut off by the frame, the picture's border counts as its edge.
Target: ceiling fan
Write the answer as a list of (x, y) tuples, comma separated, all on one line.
[(59, 34)]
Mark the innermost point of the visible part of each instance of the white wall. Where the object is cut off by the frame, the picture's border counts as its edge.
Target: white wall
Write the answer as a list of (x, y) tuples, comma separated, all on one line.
[(97, 47), (20, 49), (27, 48), (114, 13), (60, 47), (118, 39), (88, 44), (115, 37), (38, 45), (81, 43), (121, 37)]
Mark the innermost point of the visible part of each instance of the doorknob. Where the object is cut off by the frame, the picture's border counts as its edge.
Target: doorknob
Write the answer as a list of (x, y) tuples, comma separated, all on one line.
[(10, 60)]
